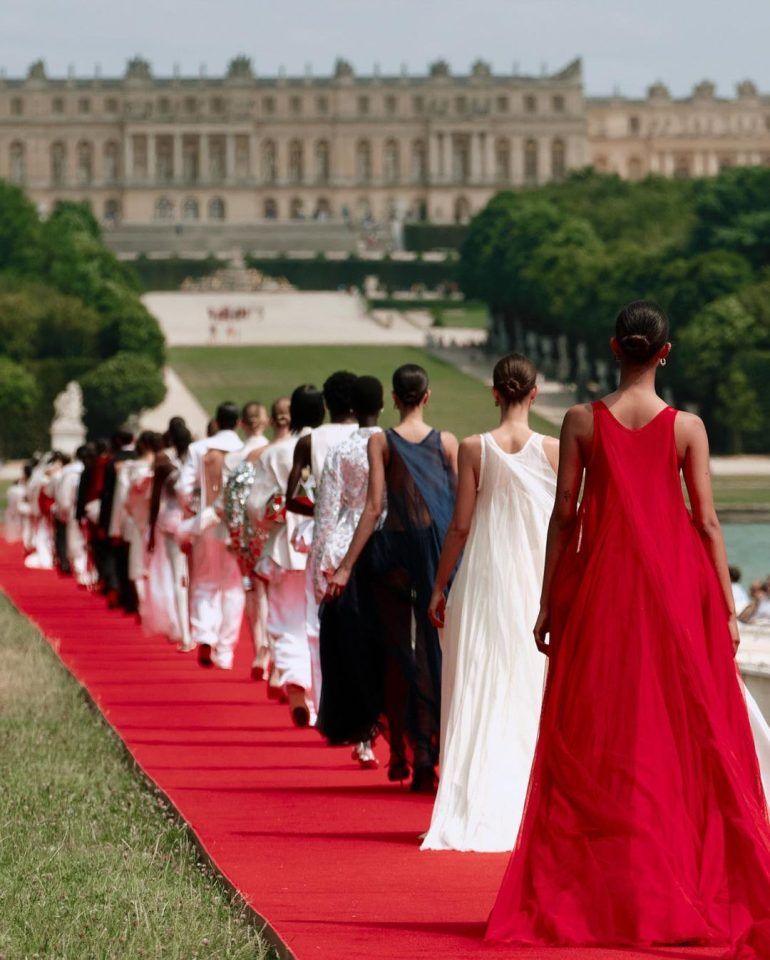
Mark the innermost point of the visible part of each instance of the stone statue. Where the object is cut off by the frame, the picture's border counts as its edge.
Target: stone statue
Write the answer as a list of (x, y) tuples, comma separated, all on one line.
[(67, 430), (563, 363), (582, 374)]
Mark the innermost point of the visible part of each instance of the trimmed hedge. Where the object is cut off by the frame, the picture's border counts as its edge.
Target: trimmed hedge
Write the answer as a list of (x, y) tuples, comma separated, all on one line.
[(170, 274), (421, 237), (322, 274)]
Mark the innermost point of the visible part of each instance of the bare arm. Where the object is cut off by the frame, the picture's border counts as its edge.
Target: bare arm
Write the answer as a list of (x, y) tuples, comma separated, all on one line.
[(451, 451), (697, 476), (576, 430), (375, 492), (301, 462), (469, 467)]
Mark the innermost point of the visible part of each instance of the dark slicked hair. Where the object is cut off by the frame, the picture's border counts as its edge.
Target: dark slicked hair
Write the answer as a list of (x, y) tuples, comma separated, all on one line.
[(338, 393), (367, 397), (307, 407), (410, 384), (227, 415)]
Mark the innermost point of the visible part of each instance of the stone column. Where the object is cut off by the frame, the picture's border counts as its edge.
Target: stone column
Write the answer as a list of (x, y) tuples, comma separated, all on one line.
[(517, 160), (178, 160), (447, 165), (434, 159), (128, 158), (229, 156), (205, 161), (490, 163), (544, 172), (151, 159), (477, 160)]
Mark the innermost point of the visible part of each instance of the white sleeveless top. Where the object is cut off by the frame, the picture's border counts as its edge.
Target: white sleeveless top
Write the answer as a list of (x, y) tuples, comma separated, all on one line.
[(323, 439)]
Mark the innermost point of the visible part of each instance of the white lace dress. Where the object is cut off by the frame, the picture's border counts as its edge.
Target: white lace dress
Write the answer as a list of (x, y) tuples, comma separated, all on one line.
[(492, 673)]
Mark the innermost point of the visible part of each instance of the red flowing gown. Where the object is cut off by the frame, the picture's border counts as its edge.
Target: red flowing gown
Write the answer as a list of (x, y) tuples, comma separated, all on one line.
[(645, 822)]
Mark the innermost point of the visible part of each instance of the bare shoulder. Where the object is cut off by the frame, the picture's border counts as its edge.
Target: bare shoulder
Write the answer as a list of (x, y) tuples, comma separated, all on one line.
[(690, 432), (470, 449), (689, 423), (579, 420), (303, 447), (551, 448), (449, 440), (377, 441)]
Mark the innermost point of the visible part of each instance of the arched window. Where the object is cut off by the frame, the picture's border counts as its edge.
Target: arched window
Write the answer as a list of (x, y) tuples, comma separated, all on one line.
[(530, 161), (419, 161), (503, 161), (112, 211), (391, 162), (296, 162), (216, 208), (323, 210), (461, 159), (322, 161), (462, 210), (270, 209), (164, 209), (58, 163), (363, 161), (634, 169), (558, 160), (269, 162), (85, 158), (296, 209), (111, 161), (190, 209), (18, 162)]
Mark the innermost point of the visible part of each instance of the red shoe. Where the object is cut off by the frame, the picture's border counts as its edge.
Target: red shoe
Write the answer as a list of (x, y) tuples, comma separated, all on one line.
[(204, 655), (300, 714), (257, 673)]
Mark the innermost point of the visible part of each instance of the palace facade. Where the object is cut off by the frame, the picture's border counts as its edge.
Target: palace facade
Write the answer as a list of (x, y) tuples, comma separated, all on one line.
[(243, 149), (691, 136)]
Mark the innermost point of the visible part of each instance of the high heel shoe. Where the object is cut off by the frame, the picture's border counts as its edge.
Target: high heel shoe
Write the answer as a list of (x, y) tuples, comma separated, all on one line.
[(300, 714), (398, 770), (424, 780), (365, 755)]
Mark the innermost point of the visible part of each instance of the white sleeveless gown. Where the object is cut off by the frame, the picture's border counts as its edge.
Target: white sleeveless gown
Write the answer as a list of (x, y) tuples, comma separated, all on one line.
[(492, 674)]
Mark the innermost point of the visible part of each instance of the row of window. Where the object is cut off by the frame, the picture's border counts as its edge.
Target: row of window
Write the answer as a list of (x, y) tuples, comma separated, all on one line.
[(391, 105), (454, 161), (189, 209)]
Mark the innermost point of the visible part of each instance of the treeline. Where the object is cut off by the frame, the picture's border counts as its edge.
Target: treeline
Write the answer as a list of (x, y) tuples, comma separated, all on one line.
[(68, 310), (562, 259)]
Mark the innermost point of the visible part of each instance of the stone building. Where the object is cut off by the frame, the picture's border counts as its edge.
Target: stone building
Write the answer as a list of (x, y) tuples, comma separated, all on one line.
[(679, 137), (243, 149)]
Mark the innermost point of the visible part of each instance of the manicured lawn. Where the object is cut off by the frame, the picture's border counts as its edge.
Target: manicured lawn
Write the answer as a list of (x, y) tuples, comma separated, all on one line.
[(742, 491), (458, 403), (92, 863), (474, 315)]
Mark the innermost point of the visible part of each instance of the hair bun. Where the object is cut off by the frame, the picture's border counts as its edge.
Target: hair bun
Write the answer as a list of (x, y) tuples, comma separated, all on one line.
[(513, 385), (636, 345)]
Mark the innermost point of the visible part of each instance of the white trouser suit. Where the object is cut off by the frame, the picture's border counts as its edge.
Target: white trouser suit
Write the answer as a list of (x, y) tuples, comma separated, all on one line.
[(216, 587)]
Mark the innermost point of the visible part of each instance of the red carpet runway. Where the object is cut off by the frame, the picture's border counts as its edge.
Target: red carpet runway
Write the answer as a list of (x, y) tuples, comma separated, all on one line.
[(326, 853)]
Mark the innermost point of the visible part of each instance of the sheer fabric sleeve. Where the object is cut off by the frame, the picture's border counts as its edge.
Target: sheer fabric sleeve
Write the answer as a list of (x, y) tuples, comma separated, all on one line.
[(327, 511)]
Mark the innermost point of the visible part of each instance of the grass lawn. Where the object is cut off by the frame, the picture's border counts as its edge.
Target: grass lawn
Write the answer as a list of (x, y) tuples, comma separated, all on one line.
[(474, 315), (92, 862), (458, 402), (741, 491)]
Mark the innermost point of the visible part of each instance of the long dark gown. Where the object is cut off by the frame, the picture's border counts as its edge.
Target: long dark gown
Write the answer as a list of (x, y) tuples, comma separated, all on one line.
[(404, 556)]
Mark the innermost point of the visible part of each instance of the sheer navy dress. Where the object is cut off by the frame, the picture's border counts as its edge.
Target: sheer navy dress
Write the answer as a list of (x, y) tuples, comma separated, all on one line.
[(404, 556)]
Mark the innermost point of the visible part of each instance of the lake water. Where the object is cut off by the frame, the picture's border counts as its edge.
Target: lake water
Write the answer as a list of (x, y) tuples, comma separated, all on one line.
[(748, 547)]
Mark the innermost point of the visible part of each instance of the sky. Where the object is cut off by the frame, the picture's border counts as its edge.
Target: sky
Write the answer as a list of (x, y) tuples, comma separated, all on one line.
[(625, 44)]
